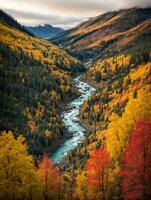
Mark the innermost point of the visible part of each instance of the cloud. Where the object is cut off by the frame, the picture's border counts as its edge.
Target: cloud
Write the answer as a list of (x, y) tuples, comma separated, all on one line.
[(33, 18), (136, 3), (65, 13)]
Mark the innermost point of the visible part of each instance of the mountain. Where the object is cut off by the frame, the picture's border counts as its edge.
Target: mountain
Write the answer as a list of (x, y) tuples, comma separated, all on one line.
[(35, 82), (107, 34), (45, 31)]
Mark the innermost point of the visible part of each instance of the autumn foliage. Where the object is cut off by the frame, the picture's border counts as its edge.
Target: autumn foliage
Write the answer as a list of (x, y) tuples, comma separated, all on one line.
[(97, 170), (49, 177), (136, 175), (18, 178)]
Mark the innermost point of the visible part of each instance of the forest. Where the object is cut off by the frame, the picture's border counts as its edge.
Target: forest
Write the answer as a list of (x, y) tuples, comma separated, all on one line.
[(33, 74), (113, 160)]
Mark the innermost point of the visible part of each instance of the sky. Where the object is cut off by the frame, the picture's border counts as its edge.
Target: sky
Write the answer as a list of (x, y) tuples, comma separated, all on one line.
[(63, 13)]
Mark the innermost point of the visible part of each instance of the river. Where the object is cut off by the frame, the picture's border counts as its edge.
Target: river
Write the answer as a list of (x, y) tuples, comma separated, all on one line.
[(71, 120)]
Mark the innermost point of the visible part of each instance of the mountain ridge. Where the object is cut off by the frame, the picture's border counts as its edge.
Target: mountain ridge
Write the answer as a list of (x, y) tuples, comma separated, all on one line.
[(44, 31)]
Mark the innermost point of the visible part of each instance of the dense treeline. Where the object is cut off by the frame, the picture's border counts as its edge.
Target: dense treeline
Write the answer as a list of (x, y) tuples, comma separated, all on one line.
[(115, 78)]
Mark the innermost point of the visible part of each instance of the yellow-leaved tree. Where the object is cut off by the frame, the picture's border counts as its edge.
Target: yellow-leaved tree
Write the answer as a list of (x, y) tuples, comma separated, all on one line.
[(81, 191), (119, 129), (18, 178)]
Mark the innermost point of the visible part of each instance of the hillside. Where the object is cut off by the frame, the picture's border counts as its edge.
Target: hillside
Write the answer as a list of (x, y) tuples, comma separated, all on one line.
[(107, 34), (45, 31), (35, 81)]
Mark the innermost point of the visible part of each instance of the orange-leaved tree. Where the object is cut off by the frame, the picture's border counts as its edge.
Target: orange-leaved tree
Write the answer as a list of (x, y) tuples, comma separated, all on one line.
[(50, 178), (97, 171)]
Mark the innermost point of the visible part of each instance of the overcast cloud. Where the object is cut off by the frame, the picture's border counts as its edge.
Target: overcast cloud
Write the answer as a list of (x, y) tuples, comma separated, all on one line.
[(64, 13)]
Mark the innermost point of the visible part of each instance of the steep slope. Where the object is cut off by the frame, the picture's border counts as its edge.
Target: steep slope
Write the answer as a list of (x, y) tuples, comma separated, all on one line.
[(106, 34), (35, 81), (45, 31)]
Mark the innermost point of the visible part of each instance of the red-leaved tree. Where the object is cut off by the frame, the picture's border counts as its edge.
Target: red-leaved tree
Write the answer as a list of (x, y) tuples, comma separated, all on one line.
[(97, 170), (50, 178), (136, 174)]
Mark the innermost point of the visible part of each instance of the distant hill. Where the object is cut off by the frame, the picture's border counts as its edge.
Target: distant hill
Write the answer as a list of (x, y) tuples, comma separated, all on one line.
[(107, 34), (45, 31)]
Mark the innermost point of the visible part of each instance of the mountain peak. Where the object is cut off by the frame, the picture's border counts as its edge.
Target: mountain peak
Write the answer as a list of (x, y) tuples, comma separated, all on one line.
[(44, 31)]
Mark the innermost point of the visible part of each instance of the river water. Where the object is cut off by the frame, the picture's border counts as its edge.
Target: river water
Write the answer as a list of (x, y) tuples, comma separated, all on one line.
[(71, 120)]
